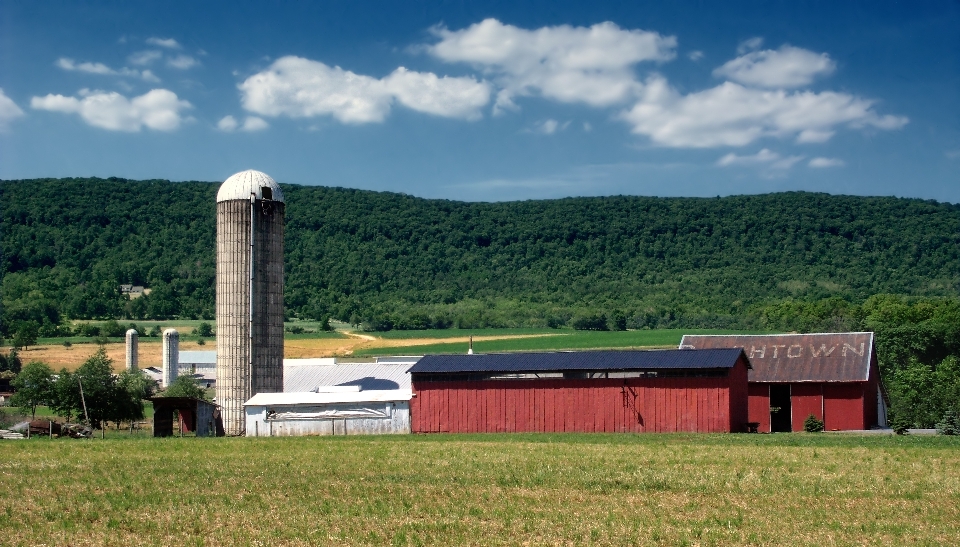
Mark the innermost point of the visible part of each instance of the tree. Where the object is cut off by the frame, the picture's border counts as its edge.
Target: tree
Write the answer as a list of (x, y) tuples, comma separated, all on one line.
[(26, 334), (10, 362), (132, 389), (184, 386), (34, 387), (204, 329)]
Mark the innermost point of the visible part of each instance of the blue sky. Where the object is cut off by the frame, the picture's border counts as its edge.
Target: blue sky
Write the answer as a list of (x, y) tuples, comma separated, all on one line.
[(490, 101)]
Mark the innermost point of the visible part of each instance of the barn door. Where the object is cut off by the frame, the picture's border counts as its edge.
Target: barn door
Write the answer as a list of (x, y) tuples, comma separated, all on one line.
[(780, 411)]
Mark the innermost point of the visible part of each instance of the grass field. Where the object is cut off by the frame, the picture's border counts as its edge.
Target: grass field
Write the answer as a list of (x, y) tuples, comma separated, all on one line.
[(788, 489), (551, 340)]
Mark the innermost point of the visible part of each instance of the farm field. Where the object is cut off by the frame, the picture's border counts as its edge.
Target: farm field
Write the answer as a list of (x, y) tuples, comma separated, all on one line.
[(344, 343), (787, 489)]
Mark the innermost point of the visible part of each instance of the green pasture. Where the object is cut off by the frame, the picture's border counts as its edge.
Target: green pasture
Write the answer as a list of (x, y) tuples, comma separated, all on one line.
[(560, 339), (524, 489)]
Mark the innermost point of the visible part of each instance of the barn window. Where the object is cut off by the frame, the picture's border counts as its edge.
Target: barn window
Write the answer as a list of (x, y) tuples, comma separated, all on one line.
[(266, 192)]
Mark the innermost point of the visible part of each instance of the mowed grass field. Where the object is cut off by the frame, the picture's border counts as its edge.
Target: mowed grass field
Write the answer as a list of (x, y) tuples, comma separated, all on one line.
[(599, 489)]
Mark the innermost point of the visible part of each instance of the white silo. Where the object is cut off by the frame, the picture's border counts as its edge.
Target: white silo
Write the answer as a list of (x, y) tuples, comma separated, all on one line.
[(133, 347), (171, 356), (250, 212)]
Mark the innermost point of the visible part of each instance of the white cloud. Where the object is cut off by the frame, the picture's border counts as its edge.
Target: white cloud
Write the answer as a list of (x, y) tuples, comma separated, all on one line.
[(826, 162), (168, 43), (749, 44), (548, 127), (157, 109), (695, 55), (786, 67), (253, 123), (300, 88), (9, 110), (182, 62), (144, 57), (734, 115), (764, 158), (227, 123), (567, 64), (101, 69)]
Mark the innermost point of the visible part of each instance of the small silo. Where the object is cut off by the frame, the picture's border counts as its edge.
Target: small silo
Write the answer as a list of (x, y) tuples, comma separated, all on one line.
[(133, 347), (250, 211), (171, 356)]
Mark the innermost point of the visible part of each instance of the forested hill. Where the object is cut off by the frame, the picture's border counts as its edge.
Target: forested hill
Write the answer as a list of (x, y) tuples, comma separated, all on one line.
[(398, 261)]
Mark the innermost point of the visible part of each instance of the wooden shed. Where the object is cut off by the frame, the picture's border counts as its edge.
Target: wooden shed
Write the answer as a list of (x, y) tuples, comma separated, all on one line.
[(833, 376), (193, 415), (591, 391)]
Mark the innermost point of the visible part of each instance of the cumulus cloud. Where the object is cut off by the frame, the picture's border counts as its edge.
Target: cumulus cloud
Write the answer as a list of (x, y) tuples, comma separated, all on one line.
[(764, 158), (300, 88), (99, 68), (733, 115), (251, 124), (158, 109), (182, 62), (750, 44), (9, 110), (592, 65), (168, 43), (786, 67), (144, 57), (826, 162)]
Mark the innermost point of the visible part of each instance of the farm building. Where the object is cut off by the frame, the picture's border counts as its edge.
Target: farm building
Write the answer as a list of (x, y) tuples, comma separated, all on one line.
[(591, 391), (331, 410), (833, 376), (376, 374), (194, 415)]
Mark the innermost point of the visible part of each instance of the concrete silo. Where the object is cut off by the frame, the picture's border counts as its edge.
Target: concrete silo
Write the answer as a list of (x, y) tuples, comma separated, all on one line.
[(171, 357), (133, 350), (250, 211)]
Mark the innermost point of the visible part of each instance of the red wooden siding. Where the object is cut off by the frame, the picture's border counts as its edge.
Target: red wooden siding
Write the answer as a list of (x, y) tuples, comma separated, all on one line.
[(611, 405), (805, 399), (759, 406), (844, 406)]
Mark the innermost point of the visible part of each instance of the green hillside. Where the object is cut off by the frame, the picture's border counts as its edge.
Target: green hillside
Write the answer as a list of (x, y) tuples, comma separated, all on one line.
[(405, 262)]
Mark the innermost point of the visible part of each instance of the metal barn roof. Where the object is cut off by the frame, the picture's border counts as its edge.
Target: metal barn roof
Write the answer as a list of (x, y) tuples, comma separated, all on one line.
[(307, 374), (823, 357), (311, 398), (244, 183), (198, 357), (581, 360)]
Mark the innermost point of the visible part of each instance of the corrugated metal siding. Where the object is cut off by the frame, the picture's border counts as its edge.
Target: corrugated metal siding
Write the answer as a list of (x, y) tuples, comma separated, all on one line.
[(593, 405), (844, 406), (787, 358), (579, 360), (397, 422)]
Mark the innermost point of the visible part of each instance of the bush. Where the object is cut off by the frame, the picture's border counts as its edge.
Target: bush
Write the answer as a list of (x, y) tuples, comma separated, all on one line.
[(900, 425), (812, 424), (204, 329), (950, 424), (295, 329)]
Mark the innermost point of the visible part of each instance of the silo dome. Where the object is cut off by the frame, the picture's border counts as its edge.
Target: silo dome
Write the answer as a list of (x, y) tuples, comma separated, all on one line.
[(244, 183)]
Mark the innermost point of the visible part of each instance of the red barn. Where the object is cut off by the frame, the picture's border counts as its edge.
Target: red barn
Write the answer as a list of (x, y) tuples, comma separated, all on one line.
[(833, 376), (592, 391)]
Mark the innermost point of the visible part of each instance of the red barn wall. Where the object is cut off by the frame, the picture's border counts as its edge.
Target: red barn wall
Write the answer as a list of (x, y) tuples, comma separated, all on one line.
[(805, 399), (844, 406), (589, 405)]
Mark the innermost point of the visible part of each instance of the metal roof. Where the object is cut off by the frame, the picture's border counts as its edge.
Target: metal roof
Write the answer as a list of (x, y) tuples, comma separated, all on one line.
[(581, 360), (307, 374), (244, 183), (821, 357), (198, 357), (311, 398)]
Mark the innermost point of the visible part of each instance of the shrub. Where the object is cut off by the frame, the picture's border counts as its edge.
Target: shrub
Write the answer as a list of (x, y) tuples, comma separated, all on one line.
[(812, 424), (900, 425), (950, 424), (204, 329)]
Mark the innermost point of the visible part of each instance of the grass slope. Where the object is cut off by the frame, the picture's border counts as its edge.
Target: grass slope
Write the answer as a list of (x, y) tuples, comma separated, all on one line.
[(797, 489), (555, 340)]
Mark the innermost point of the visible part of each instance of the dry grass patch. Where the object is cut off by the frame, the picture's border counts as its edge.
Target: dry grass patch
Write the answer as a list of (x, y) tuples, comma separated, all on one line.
[(483, 490)]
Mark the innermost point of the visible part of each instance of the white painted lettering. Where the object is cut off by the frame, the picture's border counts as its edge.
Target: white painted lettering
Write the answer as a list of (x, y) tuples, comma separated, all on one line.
[(853, 349), (793, 355), (823, 350), (775, 350), (761, 351)]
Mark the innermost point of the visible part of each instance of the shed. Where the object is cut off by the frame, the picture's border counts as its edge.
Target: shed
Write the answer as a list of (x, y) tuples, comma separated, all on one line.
[(833, 376), (339, 410), (201, 365), (196, 415), (590, 391), (374, 375)]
